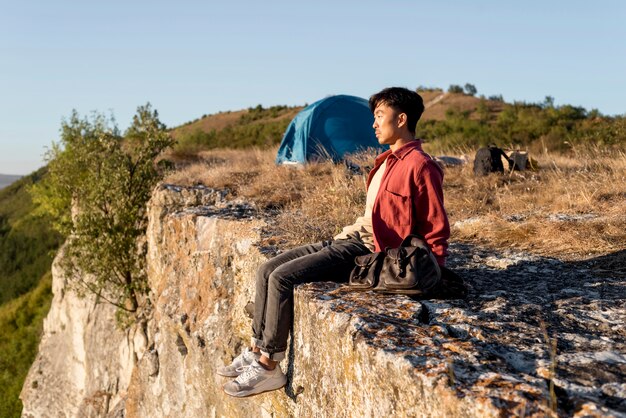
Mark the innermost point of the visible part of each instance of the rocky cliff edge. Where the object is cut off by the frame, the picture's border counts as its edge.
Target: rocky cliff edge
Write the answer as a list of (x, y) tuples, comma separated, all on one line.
[(535, 336)]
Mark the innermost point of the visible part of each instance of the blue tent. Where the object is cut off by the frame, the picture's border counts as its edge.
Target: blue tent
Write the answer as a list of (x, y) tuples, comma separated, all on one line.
[(328, 128)]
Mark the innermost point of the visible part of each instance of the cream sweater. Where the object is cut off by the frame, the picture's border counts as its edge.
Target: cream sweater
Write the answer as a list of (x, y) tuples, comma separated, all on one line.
[(363, 224)]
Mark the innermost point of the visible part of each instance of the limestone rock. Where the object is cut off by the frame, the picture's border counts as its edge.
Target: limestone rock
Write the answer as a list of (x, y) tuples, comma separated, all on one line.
[(84, 361), (351, 353)]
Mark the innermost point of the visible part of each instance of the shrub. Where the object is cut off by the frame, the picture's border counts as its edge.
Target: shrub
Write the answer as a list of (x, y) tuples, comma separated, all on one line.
[(455, 88), (96, 189), (470, 89), (21, 322)]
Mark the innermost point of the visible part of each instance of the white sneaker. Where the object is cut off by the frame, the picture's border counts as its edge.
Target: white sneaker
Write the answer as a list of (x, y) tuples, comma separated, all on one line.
[(243, 360), (256, 379)]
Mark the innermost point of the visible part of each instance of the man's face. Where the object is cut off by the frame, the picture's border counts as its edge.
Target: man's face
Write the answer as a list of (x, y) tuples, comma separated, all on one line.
[(386, 124)]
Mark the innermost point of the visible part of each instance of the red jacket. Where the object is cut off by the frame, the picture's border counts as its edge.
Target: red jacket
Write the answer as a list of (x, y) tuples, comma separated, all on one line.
[(410, 200)]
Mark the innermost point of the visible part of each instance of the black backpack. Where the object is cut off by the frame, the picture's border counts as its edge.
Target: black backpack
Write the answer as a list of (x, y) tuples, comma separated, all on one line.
[(489, 160)]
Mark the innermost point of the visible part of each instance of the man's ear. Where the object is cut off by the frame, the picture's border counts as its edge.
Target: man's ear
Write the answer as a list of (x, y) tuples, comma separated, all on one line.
[(402, 119)]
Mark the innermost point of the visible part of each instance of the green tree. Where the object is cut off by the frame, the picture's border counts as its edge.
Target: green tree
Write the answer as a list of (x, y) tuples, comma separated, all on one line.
[(97, 187), (548, 102), (470, 89), (455, 88), (483, 111)]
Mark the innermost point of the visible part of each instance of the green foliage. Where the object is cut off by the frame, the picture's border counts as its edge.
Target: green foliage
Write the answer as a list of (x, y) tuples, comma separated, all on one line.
[(259, 127), (455, 88), (21, 322), (27, 242), (421, 88), (600, 131), (521, 124), (258, 113), (96, 189), (458, 130), (531, 125), (470, 89), (548, 102), (483, 112)]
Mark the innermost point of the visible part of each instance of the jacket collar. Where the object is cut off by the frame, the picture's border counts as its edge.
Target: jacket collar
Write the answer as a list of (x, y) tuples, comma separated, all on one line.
[(406, 148), (400, 152), (381, 157)]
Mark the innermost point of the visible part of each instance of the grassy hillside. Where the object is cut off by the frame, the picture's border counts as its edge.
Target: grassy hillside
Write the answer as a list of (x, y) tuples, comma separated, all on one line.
[(21, 322), (27, 242), (438, 103), (256, 126), (27, 246), (452, 120), (456, 120), (6, 179)]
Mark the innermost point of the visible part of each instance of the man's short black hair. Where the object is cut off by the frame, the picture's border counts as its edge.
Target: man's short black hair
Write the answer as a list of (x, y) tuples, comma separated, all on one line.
[(402, 100)]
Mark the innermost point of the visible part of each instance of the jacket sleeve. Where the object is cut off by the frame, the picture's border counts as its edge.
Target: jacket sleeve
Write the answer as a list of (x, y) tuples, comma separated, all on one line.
[(430, 214)]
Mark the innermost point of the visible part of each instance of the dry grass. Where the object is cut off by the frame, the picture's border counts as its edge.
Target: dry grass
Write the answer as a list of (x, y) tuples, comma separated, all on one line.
[(311, 203), (573, 206)]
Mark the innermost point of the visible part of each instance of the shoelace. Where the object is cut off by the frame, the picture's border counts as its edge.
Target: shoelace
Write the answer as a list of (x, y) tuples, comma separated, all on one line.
[(242, 369), (244, 354), (247, 372), (243, 357)]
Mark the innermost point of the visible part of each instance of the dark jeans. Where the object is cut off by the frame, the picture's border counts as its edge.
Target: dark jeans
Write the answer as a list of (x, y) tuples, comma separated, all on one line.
[(275, 280)]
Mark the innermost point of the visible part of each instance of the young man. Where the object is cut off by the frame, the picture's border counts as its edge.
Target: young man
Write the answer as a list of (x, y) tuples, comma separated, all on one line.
[(404, 196)]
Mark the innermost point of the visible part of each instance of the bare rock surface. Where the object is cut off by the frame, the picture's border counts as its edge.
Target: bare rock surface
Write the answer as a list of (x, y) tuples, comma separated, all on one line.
[(536, 335), (539, 323), (85, 362)]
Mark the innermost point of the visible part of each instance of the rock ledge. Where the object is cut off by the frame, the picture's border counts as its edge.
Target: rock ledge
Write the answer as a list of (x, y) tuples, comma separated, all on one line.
[(351, 354)]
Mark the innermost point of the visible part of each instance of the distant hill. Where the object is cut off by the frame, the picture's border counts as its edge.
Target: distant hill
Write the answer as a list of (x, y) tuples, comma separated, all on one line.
[(27, 241), (252, 127), (229, 119), (259, 126), (438, 103), (27, 245), (6, 179), (452, 122)]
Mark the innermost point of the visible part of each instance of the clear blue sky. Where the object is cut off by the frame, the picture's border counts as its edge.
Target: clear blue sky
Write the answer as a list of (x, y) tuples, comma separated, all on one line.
[(189, 58)]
